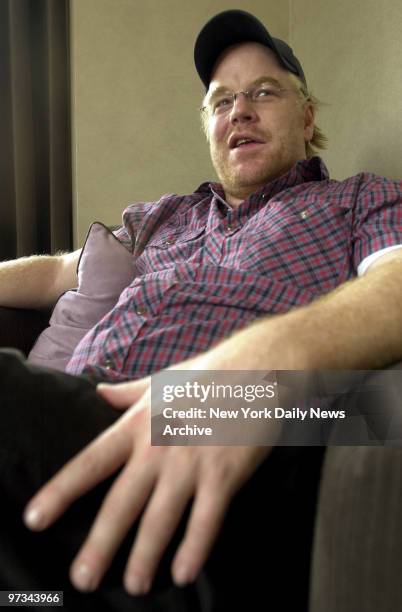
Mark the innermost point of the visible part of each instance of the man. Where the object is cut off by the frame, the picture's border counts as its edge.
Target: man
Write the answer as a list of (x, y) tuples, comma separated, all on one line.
[(260, 268)]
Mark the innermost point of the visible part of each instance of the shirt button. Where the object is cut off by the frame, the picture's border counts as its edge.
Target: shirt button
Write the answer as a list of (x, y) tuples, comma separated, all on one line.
[(108, 364), (141, 312), (304, 214), (229, 228), (169, 242)]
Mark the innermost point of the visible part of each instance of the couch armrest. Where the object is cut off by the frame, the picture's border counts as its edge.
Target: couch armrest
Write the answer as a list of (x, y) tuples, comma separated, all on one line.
[(20, 327), (357, 555)]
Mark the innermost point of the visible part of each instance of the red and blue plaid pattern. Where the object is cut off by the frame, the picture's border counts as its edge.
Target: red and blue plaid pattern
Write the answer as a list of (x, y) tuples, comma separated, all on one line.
[(204, 269)]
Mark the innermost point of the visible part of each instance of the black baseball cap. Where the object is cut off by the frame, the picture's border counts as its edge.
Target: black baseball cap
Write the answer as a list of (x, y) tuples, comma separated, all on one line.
[(232, 27)]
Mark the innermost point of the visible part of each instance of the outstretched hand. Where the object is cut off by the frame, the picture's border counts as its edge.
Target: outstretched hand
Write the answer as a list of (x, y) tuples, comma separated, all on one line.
[(154, 486)]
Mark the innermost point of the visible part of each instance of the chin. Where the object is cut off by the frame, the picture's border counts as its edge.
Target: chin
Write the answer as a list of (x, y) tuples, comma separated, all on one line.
[(253, 178), (257, 170), (249, 176)]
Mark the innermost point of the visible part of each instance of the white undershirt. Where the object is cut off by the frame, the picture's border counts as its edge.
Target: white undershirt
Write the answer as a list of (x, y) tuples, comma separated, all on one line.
[(367, 261)]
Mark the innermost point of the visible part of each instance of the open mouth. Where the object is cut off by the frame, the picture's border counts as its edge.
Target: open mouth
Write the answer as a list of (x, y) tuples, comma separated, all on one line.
[(243, 142)]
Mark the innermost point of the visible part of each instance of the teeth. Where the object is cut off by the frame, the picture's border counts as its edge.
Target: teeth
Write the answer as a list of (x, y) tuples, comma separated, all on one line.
[(243, 141)]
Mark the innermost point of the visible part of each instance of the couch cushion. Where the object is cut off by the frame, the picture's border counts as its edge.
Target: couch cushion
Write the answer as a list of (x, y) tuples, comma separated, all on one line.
[(105, 268)]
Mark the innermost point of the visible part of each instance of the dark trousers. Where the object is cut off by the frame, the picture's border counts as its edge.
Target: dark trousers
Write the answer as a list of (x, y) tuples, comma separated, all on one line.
[(262, 556)]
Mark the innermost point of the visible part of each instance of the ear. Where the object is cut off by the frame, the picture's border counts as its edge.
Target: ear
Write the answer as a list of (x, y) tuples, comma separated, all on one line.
[(309, 121)]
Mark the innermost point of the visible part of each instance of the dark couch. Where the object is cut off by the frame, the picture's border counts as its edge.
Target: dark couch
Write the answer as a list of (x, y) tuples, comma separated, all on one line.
[(357, 556), (19, 328)]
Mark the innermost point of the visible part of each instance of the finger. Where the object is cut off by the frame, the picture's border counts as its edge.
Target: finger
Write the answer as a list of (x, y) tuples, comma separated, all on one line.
[(119, 511), (123, 395), (207, 514), (96, 462), (156, 529)]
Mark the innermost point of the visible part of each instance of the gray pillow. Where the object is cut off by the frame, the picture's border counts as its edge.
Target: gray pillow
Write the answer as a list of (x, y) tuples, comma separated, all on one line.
[(105, 268)]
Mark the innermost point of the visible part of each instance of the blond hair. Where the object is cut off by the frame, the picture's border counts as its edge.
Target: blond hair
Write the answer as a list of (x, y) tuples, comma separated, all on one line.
[(318, 141)]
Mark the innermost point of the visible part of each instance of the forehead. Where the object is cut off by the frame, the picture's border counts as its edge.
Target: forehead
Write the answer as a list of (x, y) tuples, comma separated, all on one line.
[(245, 62)]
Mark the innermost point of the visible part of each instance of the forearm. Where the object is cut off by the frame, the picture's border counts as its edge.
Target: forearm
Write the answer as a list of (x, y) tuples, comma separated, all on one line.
[(357, 326), (37, 281)]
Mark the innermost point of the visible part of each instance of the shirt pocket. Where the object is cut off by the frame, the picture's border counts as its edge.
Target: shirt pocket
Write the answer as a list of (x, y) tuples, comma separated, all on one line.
[(307, 246), (169, 248), (168, 237)]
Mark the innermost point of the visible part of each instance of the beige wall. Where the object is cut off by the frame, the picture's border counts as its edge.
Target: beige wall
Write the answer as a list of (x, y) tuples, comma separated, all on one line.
[(135, 94), (135, 99), (352, 54)]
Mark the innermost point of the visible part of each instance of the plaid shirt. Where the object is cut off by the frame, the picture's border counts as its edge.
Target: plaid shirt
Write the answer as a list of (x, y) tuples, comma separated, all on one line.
[(204, 269)]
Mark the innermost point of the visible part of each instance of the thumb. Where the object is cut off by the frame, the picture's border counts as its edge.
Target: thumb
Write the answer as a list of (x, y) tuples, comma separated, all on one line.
[(123, 395)]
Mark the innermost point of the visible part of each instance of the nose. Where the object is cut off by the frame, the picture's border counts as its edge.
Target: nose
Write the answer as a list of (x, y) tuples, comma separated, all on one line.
[(243, 110)]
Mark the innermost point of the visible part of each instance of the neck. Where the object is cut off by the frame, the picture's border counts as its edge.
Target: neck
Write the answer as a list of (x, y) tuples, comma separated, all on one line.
[(233, 201), (236, 194), (236, 198)]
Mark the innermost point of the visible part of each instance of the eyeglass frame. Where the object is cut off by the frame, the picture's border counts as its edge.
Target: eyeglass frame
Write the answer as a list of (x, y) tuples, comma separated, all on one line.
[(248, 94)]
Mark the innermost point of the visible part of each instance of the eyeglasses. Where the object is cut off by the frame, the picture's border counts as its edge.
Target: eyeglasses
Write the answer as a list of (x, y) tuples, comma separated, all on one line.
[(222, 103)]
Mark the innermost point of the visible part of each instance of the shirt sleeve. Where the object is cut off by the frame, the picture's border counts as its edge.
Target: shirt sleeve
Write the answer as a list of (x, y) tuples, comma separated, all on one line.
[(377, 222)]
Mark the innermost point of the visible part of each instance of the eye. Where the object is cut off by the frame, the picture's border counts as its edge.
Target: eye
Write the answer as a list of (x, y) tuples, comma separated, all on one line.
[(222, 103), (264, 91)]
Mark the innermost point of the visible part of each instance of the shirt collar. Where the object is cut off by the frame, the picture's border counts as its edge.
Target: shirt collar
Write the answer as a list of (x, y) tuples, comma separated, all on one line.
[(304, 171)]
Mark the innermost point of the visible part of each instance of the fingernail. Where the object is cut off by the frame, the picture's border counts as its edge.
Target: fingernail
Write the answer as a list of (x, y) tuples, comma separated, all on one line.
[(182, 575), (137, 585), (33, 518), (83, 578)]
